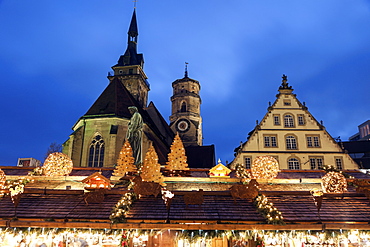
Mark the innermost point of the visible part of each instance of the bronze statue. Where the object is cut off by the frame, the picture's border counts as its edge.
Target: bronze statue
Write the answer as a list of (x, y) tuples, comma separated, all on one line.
[(134, 134)]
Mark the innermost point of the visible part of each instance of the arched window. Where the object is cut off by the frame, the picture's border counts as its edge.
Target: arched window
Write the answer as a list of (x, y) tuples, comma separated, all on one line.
[(288, 120), (96, 152), (183, 107), (291, 142), (293, 164)]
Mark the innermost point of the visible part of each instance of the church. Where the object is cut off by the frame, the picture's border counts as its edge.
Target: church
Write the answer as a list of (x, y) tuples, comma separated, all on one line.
[(99, 134)]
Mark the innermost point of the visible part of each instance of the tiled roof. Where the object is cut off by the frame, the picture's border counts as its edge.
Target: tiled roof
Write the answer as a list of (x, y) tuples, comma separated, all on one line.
[(58, 206)]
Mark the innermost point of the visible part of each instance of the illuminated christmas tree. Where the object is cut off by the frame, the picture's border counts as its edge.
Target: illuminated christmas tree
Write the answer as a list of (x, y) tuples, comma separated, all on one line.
[(177, 159), (150, 171), (125, 161)]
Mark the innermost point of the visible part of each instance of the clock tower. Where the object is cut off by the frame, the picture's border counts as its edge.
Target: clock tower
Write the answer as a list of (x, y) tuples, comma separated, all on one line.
[(185, 118)]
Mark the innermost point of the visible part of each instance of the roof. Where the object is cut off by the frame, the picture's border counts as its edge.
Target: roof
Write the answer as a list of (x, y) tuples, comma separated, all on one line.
[(113, 101)]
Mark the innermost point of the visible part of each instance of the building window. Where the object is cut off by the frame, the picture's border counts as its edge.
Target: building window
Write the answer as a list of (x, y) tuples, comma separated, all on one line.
[(270, 141), (291, 142), (288, 121), (313, 141), (130, 71), (339, 163), (96, 152), (276, 119), (248, 162), (316, 163), (293, 164), (301, 119), (183, 107), (287, 102)]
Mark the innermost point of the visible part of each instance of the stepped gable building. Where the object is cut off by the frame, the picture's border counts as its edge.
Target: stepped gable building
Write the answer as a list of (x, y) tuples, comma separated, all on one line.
[(99, 134), (289, 133)]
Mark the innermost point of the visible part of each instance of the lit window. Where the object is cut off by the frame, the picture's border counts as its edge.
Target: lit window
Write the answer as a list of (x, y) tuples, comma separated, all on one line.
[(301, 119), (276, 119), (291, 142), (270, 141), (288, 121), (247, 161), (313, 141), (316, 163), (96, 152), (339, 163), (293, 164)]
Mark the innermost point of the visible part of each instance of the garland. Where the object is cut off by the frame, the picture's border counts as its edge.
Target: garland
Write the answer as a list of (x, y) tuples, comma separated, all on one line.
[(268, 211), (119, 211)]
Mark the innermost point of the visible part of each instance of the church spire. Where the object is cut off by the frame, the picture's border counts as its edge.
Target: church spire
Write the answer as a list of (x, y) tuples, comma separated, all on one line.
[(133, 31), (131, 57)]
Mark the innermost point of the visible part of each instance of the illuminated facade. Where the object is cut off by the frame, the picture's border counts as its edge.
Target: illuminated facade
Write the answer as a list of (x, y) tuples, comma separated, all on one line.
[(290, 134)]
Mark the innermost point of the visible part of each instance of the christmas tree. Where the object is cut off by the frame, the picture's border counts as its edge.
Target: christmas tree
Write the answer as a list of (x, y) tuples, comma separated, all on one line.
[(177, 159), (125, 161), (150, 171)]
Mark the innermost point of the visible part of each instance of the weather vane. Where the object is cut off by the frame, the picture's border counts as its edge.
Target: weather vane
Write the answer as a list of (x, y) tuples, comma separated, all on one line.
[(135, 1), (186, 69)]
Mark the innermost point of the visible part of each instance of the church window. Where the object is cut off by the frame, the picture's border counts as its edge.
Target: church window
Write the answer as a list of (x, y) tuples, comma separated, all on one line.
[(291, 142), (248, 162), (339, 163), (288, 120), (316, 163), (313, 141), (183, 107), (293, 164), (301, 119), (96, 152), (270, 141), (276, 119)]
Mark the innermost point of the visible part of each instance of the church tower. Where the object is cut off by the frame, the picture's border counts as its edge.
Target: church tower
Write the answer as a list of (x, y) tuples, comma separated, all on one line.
[(99, 134), (185, 117), (129, 68)]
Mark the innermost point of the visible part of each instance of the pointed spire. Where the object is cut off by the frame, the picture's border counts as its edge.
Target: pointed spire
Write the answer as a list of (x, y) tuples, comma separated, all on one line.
[(133, 30), (131, 57)]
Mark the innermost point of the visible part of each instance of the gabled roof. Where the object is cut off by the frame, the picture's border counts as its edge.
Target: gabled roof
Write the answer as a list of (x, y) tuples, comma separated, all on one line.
[(114, 101), (96, 174)]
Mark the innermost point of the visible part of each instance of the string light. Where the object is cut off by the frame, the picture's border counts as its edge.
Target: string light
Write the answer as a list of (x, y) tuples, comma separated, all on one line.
[(268, 211), (265, 167), (57, 164), (122, 207)]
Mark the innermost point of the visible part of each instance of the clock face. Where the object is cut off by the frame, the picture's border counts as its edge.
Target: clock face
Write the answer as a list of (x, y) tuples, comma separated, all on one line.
[(183, 125)]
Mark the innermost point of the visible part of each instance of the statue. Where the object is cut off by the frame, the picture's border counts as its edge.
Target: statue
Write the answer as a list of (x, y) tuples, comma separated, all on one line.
[(134, 134)]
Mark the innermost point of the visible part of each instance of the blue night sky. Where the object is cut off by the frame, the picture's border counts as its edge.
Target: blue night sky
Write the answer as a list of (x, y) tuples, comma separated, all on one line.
[(55, 56)]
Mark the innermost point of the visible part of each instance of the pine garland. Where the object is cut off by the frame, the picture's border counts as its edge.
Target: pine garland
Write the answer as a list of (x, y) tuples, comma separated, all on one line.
[(119, 211), (268, 211)]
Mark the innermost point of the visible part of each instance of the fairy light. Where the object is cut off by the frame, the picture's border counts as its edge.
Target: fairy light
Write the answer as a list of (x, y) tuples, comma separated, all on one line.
[(265, 167), (57, 164), (122, 207), (268, 211), (334, 182)]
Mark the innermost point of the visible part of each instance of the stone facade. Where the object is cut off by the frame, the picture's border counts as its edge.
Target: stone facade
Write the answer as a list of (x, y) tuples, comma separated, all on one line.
[(185, 118)]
